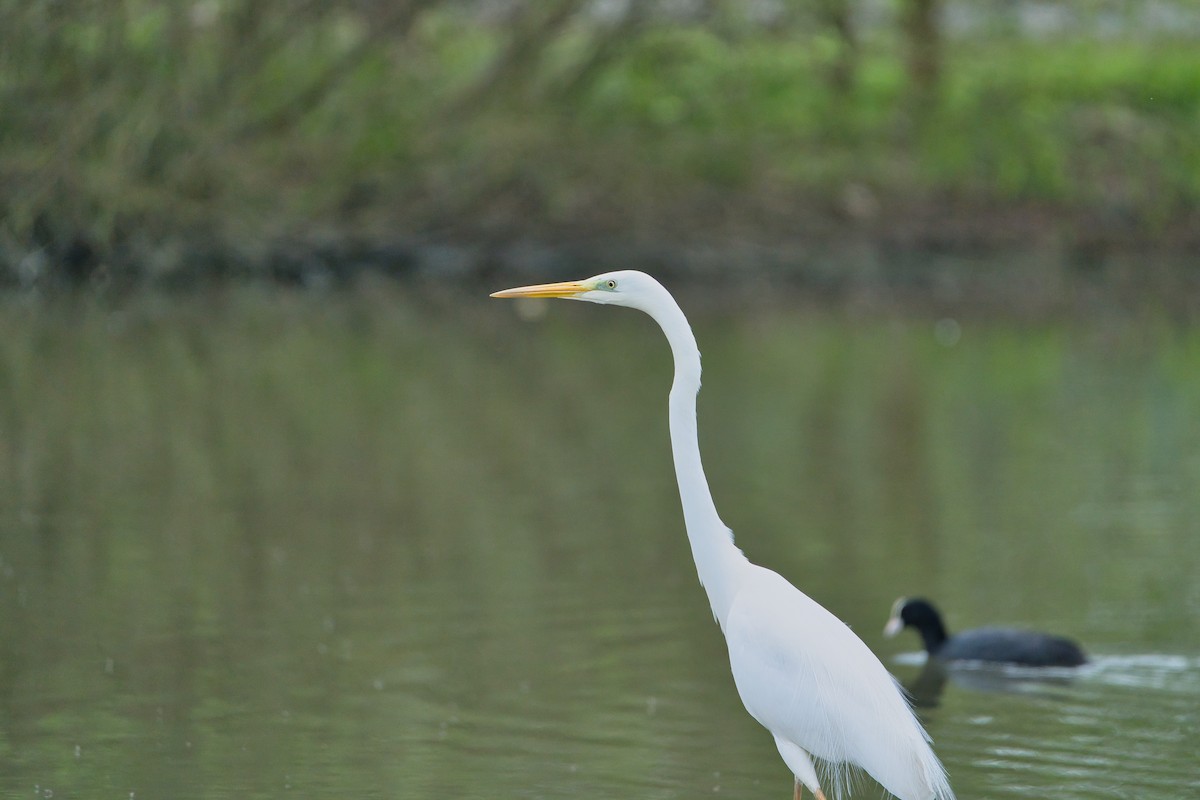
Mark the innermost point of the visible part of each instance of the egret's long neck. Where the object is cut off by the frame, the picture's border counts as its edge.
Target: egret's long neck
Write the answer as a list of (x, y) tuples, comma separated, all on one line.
[(718, 560)]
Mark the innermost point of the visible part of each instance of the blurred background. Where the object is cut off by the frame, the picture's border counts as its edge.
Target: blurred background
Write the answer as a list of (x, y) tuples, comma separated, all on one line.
[(831, 142), (288, 506)]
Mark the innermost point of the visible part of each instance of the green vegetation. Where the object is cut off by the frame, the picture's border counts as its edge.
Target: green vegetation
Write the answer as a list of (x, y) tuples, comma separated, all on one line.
[(129, 122)]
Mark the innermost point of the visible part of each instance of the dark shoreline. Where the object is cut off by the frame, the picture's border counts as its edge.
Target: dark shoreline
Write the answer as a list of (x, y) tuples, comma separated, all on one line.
[(1016, 260)]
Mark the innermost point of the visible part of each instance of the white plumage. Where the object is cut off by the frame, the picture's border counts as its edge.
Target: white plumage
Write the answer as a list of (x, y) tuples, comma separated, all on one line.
[(800, 671), (830, 698)]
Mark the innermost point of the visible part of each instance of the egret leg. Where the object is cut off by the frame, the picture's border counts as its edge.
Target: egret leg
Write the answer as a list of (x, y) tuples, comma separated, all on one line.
[(802, 768), (800, 790)]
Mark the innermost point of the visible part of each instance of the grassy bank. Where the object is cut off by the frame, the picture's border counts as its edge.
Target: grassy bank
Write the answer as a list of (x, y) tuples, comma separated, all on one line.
[(132, 126)]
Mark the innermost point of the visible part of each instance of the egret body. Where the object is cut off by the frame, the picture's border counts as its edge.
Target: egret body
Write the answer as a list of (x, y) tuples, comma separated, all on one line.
[(800, 671)]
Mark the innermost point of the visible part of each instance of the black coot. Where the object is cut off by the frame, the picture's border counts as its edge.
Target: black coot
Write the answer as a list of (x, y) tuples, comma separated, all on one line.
[(997, 645)]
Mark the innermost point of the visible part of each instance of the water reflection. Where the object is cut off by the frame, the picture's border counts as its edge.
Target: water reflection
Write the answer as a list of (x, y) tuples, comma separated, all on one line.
[(385, 546), (926, 688), (1119, 722)]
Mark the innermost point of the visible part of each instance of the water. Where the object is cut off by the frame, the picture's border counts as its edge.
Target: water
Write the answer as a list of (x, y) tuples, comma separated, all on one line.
[(412, 546)]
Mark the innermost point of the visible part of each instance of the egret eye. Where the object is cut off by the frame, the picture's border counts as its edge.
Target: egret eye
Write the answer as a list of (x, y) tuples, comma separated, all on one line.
[(610, 283)]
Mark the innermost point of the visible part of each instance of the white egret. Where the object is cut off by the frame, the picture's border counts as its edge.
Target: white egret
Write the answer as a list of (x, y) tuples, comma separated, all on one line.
[(800, 671)]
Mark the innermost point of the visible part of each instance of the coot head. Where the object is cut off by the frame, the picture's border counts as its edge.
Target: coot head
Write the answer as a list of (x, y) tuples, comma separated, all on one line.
[(919, 614)]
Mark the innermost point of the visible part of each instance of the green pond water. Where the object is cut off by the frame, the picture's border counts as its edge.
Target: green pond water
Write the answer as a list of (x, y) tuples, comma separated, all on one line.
[(428, 545)]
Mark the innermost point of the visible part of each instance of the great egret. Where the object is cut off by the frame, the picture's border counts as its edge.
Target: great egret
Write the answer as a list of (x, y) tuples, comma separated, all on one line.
[(799, 670), (996, 645)]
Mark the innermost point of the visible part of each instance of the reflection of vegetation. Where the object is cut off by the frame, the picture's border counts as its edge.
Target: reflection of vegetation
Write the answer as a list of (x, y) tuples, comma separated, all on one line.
[(374, 542), (123, 120)]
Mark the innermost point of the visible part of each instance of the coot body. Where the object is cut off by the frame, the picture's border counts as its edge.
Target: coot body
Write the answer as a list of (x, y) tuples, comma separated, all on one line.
[(993, 645)]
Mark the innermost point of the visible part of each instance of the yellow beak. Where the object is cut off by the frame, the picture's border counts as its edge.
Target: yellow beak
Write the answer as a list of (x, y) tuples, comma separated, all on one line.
[(564, 289)]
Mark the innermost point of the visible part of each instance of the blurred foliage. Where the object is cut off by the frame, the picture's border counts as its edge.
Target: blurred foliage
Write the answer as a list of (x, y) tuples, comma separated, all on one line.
[(256, 117)]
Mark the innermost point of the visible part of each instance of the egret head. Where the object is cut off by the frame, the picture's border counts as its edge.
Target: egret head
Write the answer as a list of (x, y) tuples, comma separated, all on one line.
[(625, 287)]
